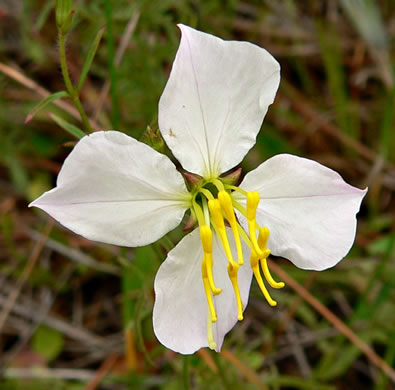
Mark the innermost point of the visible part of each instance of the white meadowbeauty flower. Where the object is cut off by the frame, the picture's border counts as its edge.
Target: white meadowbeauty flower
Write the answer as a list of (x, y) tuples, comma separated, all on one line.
[(117, 190)]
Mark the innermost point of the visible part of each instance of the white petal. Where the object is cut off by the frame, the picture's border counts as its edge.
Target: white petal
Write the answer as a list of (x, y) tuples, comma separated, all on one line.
[(214, 102), (117, 190), (180, 311), (309, 209)]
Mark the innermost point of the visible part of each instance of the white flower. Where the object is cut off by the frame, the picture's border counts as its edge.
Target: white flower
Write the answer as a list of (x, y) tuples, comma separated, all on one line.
[(115, 189)]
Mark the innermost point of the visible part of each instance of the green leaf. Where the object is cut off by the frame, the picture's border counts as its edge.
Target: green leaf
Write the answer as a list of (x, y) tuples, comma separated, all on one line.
[(43, 15), (44, 103), (73, 130), (47, 342), (90, 57)]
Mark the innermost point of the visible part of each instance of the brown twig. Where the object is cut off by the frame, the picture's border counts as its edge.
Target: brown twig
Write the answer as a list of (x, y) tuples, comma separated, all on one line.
[(28, 83), (300, 104), (126, 36), (107, 365), (29, 309), (13, 296), (335, 321), (74, 254), (243, 369), (204, 354), (49, 373)]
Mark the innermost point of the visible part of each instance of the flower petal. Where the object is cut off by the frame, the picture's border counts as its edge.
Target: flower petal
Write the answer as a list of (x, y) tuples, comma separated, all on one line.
[(117, 190), (180, 311), (309, 209), (215, 99)]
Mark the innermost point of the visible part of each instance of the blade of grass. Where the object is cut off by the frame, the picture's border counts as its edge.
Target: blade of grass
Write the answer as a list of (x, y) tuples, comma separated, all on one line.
[(307, 110), (382, 381), (333, 63), (366, 17), (387, 140), (44, 103), (28, 83), (126, 37), (364, 308), (73, 130), (43, 15), (89, 58), (334, 320), (243, 369)]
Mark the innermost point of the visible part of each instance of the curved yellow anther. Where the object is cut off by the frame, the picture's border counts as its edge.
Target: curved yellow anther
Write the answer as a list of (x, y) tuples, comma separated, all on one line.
[(226, 203), (232, 272), (268, 275), (218, 219), (262, 242), (207, 290), (254, 260), (252, 205), (206, 237)]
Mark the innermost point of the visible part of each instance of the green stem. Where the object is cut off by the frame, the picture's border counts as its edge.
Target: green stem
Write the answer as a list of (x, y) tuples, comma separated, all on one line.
[(69, 85), (225, 382), (185, 373), (111, 63)]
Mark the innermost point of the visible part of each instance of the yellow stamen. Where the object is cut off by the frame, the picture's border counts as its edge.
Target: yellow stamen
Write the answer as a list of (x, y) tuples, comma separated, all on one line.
[(206, 237), (268, 276), (262, 242), (207, 290), (211, 343), (198, 212), (206, 193), (254, 260), (218, 184), (226, 202), (232, 272), (218, 219), (239, 207), (252, 205), (244, 236), (264, 233), (232, 187)]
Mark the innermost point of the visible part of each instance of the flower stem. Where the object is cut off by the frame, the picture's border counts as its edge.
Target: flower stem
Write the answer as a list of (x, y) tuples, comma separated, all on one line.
[(185, 373), (67, 80), (221, 372)]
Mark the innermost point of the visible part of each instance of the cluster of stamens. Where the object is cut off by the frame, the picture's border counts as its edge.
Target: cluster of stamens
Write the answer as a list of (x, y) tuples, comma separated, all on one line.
[(215, 209)]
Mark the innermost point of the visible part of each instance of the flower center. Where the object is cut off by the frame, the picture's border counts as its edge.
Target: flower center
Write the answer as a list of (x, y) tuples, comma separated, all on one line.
[(213, 206)]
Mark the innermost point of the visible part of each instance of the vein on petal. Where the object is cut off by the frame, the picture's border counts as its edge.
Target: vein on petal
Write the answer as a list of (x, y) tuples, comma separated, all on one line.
[(200, 103), (221, 131)]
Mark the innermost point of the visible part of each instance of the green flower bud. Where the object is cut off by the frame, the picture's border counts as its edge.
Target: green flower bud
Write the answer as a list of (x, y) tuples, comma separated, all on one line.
[(63, 10)]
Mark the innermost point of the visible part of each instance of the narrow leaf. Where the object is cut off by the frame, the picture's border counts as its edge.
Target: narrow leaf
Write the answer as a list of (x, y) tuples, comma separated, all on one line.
[(90, 57), (73, 130), (44, 103)]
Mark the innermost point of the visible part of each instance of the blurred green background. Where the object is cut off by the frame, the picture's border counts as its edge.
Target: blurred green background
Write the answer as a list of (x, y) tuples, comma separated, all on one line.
[(75, 314)]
